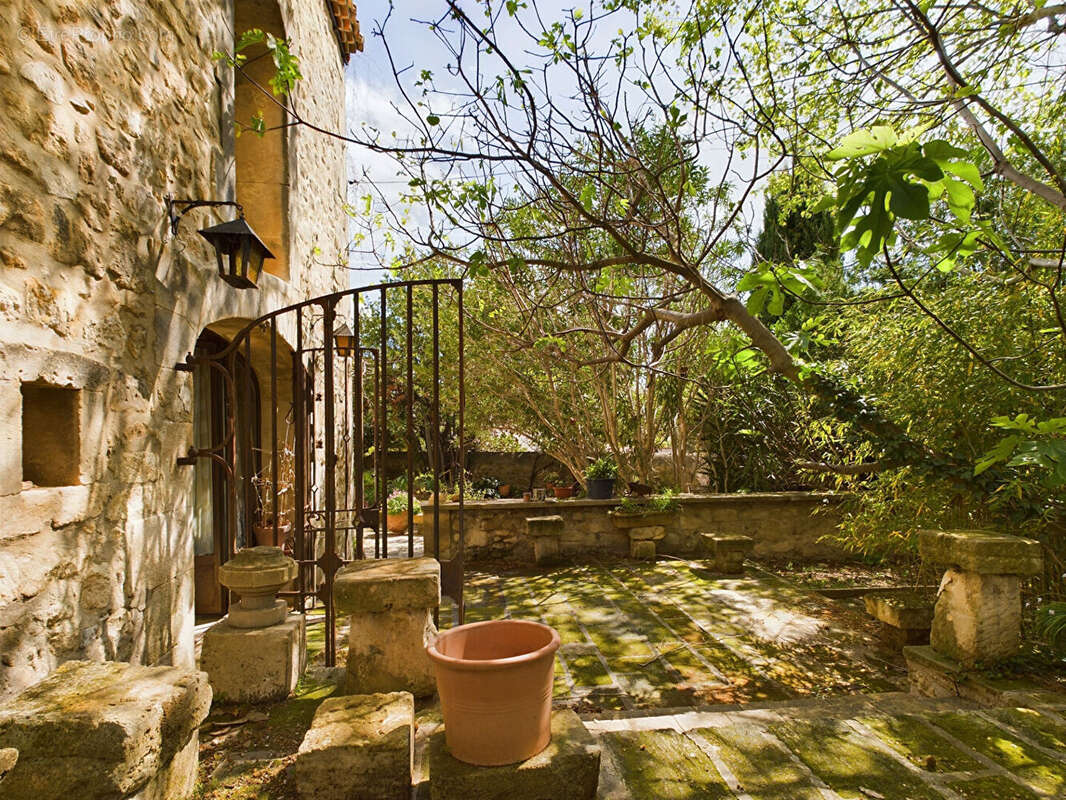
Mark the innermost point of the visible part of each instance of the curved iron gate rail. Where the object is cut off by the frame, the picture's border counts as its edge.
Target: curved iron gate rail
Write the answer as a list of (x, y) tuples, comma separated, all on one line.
[(314, 393)]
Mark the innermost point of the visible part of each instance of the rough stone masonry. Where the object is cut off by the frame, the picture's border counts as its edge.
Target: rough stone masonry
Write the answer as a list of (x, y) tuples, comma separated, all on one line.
[(109, 106)]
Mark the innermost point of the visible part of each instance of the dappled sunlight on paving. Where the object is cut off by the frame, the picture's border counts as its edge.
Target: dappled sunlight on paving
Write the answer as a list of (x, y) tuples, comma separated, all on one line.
[(638, 635)]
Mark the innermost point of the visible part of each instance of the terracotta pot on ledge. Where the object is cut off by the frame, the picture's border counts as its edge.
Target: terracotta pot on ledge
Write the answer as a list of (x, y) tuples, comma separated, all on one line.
[(495, 684), (396, 523), (264, 534)]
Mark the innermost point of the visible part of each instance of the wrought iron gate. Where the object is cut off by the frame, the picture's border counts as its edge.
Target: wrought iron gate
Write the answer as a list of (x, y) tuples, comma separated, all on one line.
[(327, 400)]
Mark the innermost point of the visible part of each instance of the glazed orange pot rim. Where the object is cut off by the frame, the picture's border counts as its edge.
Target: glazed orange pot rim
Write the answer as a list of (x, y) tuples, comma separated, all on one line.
[(494, 663)]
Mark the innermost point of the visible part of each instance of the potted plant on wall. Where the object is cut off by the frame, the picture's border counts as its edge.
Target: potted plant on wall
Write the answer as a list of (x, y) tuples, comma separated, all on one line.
[(601, 475), (639, 512), (561, 492), (396, 511)]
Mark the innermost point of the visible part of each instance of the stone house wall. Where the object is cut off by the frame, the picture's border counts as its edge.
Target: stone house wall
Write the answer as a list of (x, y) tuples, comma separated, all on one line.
[(109, 106), (784, 525)]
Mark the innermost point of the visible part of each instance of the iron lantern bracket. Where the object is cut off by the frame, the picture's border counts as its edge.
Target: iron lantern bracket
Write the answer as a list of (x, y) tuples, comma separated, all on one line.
[(176, 209)]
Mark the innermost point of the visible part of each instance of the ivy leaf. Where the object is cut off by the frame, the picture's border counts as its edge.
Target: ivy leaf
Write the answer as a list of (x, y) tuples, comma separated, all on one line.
[(433, 119)]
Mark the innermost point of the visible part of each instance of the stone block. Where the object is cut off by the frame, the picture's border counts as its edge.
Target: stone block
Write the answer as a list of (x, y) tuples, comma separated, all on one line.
[(546, 533), (650, 533), (977, 617), (546, 550), (727, 550), (642, 549), (379, 585), (932, 674), (254, 664), (900, 610), (105, 729), (567, 769), (359, 747), (387, 653), (982, 552)]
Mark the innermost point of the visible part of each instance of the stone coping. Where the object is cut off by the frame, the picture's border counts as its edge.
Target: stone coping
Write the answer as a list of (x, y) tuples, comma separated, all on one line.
[(983, 552), (511, 504), (375, 586)]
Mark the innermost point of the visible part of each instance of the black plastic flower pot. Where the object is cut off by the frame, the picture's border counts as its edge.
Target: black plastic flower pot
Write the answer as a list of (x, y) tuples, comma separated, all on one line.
[(601, 488)]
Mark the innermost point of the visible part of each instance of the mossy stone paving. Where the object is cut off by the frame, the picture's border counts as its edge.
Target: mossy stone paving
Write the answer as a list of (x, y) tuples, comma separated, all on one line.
[(921, 744), (665, 765), (762, 768), (993, 787), (848, 765), (1039, 770), (723, 639)]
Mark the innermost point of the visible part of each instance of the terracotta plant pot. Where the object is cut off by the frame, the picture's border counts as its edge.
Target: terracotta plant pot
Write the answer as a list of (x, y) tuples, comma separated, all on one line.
[(563, 492), (264, 534), (495, 684), (396, 523), (527, 496)]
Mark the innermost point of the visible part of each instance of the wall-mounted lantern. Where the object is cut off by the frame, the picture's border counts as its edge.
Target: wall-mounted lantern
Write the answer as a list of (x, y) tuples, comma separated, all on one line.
[(344, 341), (240, 252)]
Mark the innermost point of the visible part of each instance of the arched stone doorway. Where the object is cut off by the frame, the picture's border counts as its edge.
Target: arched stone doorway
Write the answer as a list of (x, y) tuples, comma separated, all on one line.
[(260, 403)]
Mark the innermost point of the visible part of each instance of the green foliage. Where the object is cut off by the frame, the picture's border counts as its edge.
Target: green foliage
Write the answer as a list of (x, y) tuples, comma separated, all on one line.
[(397, 503), (1050, 624), (1041, 445), (886, 177), (602, 469), (283, 79), (767, 285), (655, 504)]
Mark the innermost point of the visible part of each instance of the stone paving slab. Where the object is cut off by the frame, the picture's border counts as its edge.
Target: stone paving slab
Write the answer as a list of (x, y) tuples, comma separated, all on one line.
[(640, 636), (853, 749)]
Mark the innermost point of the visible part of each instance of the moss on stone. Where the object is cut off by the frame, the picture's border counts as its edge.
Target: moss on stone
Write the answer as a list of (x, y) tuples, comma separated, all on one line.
[(1033, 724), (586, 670), (993, 787), (569, 630), (848, 766), (762, 767), (921, 744), (1039, 771), (667, 766)]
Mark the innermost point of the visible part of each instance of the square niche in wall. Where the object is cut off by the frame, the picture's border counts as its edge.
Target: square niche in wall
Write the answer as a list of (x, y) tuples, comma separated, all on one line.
[(51, 434)]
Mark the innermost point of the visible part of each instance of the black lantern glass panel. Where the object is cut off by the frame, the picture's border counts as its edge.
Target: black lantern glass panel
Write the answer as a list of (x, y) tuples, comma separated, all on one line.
[(240, 252)]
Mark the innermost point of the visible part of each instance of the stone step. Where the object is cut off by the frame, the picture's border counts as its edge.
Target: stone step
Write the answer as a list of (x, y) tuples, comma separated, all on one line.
[(359, 747), (889, 746)]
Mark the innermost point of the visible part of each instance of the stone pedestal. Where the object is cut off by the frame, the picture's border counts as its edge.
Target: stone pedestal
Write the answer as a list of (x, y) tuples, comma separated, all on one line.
[(642, 541), (979, 609), (255, 664), (257, 651), (726, 551), (568, 768), (977, 617), (546, 533), (257, 574), (107, 729), (359, 747), (390, 604)]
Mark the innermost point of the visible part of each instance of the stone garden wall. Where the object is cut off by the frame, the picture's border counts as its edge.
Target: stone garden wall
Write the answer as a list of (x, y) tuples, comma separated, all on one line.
[(109, 105), (783, 525)]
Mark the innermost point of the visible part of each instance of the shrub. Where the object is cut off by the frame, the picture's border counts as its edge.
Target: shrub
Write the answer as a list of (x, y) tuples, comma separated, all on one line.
[(603, 468), (397, 503)]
